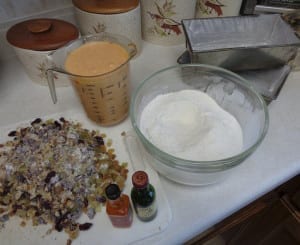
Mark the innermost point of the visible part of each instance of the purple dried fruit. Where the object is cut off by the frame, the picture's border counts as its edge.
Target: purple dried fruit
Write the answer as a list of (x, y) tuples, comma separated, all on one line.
[(99, 140), (4, 218), (57, 125), (61, 221), (86, 202), (101, 199), (46, 204), (85, 226), (36, 121), (49, 176), (21, 178), (80, 141), (12, 133)]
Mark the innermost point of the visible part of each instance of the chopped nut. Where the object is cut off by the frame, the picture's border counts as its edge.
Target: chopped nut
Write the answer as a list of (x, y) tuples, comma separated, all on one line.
[(109, 142), (23, 223)]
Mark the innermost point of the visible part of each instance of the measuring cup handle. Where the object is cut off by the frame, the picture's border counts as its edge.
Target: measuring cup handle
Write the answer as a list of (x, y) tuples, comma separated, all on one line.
[(132, 49), (51, 84)]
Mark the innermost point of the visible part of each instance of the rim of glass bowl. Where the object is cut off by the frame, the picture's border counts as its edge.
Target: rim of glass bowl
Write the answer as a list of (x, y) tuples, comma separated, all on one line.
[(196, 166)]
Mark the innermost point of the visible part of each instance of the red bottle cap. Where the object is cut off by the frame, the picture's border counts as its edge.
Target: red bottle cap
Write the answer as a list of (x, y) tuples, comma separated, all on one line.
[(140, 179)]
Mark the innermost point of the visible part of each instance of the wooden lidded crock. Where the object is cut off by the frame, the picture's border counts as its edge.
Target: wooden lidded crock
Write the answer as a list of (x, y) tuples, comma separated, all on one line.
[(114, 16), (34, 39)]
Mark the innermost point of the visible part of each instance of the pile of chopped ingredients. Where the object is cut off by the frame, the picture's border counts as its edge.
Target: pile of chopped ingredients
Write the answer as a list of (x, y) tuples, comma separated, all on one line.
[(53, 171)]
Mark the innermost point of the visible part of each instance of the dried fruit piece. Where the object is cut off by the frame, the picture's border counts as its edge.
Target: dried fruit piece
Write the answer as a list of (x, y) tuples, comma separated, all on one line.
[(12, 133), (36, 121), (85, 226)]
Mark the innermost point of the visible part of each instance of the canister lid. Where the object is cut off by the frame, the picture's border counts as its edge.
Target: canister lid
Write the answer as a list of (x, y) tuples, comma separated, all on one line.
[(106, 6), (41, 34)]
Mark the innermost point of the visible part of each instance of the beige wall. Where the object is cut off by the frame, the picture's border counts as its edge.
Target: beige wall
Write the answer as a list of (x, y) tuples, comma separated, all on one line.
[(12, 9)]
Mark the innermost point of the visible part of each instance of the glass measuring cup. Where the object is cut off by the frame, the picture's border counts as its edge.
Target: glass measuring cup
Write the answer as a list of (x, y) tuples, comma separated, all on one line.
[(105, 96)]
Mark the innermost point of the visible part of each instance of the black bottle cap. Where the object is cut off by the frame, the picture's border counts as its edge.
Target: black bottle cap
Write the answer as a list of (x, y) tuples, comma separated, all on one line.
[(112, 191)]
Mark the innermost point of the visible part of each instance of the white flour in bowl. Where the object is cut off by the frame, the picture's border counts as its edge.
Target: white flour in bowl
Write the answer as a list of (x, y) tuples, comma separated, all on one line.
[(191, 125)]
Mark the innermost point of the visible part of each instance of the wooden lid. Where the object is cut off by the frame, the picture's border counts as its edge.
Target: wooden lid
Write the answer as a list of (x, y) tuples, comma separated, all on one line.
[(106, 6), (41, 34)]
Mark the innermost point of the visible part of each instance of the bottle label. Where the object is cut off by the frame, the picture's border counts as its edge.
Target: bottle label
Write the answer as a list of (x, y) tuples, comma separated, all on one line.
[(146, 212), (122, 221)]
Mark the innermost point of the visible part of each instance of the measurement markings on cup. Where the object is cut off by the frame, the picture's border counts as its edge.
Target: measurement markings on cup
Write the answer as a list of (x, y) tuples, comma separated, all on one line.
[(107, 95), (90, 91), (123, 85)]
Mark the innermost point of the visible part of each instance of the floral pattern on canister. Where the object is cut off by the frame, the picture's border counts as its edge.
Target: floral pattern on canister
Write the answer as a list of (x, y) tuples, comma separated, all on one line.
[(42, 71), (98, 28), (164, 23), (209, 7), (42, 68)]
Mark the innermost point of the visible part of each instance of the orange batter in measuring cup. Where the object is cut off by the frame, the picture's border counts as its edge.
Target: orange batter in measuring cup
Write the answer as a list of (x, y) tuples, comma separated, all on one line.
[(96, 58), (105, 97), (98, 67)]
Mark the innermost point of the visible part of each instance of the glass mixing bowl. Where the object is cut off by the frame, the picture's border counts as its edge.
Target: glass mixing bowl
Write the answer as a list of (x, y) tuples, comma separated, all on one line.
[(233, 93)]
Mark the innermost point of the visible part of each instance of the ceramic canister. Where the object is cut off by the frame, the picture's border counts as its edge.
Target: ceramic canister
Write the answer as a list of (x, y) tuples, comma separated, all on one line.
[(161, 20), (34, 39), (217, 8), (113, 16)]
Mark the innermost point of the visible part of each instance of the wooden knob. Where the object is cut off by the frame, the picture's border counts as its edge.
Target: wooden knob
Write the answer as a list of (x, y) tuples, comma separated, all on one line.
[(39, 26)]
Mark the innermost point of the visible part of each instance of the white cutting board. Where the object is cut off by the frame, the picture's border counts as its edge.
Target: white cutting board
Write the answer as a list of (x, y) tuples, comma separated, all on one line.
[(102, 231)]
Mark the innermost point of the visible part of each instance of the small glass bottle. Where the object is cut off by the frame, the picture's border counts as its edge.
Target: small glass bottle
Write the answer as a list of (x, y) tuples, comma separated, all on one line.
[(143, 196), (118, 207)]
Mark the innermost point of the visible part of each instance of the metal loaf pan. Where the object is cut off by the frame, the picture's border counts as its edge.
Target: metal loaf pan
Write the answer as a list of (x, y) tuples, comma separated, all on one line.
[(241, 42)]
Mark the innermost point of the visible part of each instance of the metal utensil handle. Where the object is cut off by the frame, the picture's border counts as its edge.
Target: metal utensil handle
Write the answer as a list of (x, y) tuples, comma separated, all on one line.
[(51, 84), (135, 151)]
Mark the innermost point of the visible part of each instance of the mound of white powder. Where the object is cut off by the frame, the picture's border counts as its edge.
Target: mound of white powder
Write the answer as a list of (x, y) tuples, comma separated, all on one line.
[(191, 125)]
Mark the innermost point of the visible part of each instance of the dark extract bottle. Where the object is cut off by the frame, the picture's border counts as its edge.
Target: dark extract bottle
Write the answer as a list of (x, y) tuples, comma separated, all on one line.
[(143, 196), (118, 207)]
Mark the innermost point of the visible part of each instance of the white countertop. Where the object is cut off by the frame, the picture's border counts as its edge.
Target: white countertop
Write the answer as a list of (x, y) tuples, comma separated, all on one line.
[(194, 209)]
